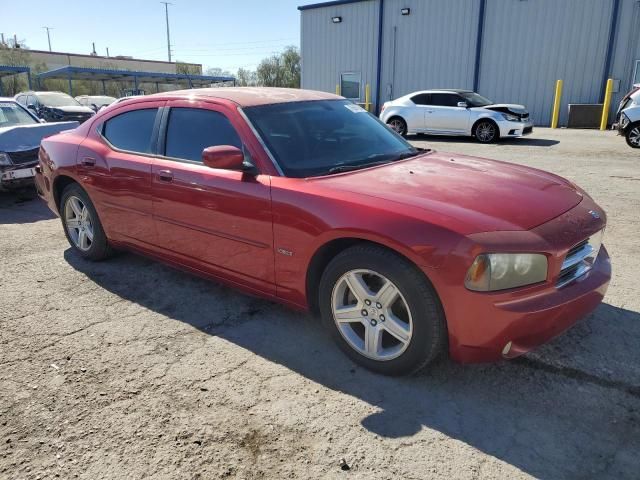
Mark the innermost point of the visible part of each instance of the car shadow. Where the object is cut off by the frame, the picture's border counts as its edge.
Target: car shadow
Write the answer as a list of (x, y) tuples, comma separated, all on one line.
[(525, 141), (23, 206), (547, 417)]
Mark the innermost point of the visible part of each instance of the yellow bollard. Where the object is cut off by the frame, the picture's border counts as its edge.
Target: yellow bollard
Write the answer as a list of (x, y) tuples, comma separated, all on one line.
[(607, 103), (556, 105), (338, 89), (367, 97)]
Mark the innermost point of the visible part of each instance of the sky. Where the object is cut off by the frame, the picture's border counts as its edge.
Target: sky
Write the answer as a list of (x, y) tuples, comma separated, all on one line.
[(217, 33)]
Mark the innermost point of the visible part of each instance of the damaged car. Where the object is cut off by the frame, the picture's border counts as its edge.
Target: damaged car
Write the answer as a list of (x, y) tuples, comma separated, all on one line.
[(456, 112), (20, 136), (54, 106)]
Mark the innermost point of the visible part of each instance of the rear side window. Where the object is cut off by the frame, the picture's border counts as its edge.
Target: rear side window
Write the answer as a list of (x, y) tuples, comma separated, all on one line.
[(191, 130), (131, 131), (444, 99), (422, 99)]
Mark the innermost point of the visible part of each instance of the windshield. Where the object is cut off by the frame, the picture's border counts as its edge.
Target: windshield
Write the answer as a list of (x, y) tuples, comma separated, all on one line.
[(475, 100), (326, 136), (11, 114), (57, 100)]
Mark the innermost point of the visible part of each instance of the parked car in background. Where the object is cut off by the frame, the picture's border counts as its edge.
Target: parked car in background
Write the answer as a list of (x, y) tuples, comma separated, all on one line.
[(307, 199), (628, 117), (456, 112), (95, 102), (54, 106), (120, 100), (20, 136)]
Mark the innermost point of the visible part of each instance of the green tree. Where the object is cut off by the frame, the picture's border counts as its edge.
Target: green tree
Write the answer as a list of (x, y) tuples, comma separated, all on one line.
[(15, 57), (282, 70)]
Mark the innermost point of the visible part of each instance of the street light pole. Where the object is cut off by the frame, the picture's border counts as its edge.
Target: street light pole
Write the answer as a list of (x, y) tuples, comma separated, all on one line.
[(48, 36), (166, 13)]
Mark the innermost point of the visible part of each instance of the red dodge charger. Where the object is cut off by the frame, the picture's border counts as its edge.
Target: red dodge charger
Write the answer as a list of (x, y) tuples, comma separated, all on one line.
[(305, 198)]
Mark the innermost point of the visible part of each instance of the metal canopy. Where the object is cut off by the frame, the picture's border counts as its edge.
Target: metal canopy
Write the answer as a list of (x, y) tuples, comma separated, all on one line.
[(100, 74), (9, 70)]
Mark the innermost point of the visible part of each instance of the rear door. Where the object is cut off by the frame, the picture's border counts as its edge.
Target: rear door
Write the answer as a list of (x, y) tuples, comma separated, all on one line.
[(215, 219), (444, 116), (115, 162)]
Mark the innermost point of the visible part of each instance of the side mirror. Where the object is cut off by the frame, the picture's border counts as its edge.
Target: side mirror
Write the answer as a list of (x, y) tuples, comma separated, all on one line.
[(31, 106), (93, 107), (463, 104), (225, 157)]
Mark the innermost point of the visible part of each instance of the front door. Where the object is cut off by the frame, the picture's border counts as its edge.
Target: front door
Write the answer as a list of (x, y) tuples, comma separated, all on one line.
[(444, 116), (214, 219)]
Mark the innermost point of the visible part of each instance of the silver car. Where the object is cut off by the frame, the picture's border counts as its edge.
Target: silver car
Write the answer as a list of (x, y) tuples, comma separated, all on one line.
[(628, 117), (456, 112)]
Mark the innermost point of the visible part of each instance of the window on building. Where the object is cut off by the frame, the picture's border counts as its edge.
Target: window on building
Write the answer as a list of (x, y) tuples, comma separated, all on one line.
[(191, 130), (422, 99), (445, 99), (131, 131), (350, 86)]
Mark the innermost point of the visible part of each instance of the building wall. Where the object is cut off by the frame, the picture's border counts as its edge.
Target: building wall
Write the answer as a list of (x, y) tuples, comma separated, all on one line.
[(526, 46), (329, 49), (54, 60), (433, 47)]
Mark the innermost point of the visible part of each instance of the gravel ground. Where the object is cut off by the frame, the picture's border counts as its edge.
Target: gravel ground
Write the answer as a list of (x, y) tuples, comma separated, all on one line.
[(130, 369)]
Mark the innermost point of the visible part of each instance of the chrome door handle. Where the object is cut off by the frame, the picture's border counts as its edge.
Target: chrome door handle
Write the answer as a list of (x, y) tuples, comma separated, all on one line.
[(165, 175)]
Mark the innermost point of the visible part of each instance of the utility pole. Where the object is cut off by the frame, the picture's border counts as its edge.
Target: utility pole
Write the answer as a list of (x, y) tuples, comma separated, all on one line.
[(166, 13), (107, 52), (48, 36)]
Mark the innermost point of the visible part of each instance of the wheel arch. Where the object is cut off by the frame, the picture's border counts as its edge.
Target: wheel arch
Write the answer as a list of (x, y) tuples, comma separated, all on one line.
[(486, 118), (59, 184), (328, 250)]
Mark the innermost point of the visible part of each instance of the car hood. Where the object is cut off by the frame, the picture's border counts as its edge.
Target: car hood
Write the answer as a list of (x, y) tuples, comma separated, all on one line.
[(27, 137), (506, 108), (73, 109), (462, 193)]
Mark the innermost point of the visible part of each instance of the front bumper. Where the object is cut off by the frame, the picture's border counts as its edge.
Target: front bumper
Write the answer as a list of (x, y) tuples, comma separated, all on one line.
[(515, 129), (17, 177)]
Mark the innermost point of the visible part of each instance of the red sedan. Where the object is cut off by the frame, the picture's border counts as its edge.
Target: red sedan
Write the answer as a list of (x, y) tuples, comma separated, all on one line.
[(307, 199)]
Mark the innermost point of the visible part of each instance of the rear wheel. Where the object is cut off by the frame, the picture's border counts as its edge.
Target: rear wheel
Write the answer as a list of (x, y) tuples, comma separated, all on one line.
[(382, 312), (633, 135), (398, 125), (82, 225), (486, 131)]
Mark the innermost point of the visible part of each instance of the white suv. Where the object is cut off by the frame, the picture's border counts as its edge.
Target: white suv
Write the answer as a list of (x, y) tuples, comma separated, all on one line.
[(456, 112)]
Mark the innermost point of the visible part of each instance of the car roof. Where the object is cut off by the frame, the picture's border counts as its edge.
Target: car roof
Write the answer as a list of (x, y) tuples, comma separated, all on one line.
[(250, 96), (442, 90), (8, 99)]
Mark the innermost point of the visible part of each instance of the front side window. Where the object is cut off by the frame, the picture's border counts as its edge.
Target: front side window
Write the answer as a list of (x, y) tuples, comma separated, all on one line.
[(131, 131), (191, 130), (325, 136), (475, 100), (350, 86), (22, 100)]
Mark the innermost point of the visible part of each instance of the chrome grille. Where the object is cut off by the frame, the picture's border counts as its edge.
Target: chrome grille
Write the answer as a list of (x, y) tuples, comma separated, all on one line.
[(579, 259)]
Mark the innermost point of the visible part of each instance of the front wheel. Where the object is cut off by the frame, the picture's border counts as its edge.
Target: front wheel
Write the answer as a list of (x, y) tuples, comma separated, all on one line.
[(633, 135), (486, 131), (382, 311)]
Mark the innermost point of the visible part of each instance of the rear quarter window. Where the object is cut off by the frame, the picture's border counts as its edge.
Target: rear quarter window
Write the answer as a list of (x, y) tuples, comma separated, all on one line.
[(131, 131)]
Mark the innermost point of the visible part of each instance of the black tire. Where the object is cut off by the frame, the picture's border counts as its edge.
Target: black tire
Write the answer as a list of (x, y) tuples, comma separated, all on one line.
[(429, 337), (99, 248), (632, 135), (482, 126), (398, 125)]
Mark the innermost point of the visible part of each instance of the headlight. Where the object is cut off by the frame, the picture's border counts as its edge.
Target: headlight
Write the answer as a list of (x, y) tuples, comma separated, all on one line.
[(511, 118), (5, 160), (499, 271)]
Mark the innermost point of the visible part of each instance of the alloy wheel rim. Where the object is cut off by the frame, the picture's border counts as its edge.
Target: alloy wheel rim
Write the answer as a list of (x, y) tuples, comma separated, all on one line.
[(485, 132), (397, 126), (78, 221), (371, 314), (634, 136)]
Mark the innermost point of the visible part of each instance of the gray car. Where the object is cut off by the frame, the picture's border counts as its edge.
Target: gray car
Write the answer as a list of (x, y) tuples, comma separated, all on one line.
[(20, 135), (629, 117), (456, 112)]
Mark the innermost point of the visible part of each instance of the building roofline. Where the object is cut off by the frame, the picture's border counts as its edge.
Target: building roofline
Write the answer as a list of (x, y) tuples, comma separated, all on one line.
[(328, 4), (108, 58)]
